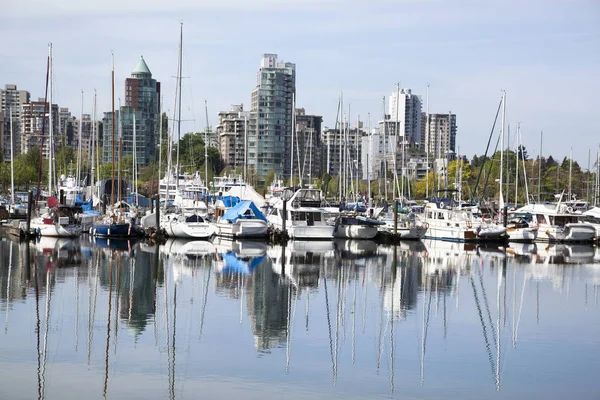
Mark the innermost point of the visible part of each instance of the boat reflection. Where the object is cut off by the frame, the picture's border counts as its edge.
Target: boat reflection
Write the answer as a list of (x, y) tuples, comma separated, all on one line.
[(335, 303)]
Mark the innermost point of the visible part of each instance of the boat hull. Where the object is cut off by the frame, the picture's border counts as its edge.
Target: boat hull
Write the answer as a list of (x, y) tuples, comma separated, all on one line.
[(316, 232), (459, 234), (355, 232), (573, 232), (123, 230), (189, 230), (54, 230), (243, 229), (523, 235)]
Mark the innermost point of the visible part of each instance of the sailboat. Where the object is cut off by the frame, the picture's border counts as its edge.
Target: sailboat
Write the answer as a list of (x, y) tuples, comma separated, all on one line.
[(58, 221), (120, 224), (189, 219)]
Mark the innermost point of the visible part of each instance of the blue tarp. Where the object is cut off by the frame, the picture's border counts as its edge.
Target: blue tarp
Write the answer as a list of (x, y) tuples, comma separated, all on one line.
[(239, 211), (233, 264), (85, 205), (142, 201)]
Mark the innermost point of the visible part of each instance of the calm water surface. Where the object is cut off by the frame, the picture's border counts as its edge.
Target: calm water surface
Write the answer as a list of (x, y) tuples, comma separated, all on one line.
[(93, 319)]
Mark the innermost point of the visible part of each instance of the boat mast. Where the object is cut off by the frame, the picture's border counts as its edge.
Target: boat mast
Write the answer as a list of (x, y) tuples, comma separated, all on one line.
[(385, 145), (427, 132), (570, 175), (93, 141), (134, 166), (341, 126), (120, 155), (500, 197), (39, 181), (206, 144), (112, 186), (178, 107), (245, 148), (51, 142), (295, 129), (78, 169), (12, 158), (369, 137), (292, 146), (540, 167), (517, 166)]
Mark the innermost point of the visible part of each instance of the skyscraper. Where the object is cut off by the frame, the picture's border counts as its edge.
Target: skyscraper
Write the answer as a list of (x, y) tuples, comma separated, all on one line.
[(440, 137), (142, 101), (12, 99), (270, 129), (407, 111), (231, 131)]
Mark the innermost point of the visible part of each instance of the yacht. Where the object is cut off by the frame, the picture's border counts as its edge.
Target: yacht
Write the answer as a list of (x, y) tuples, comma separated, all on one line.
[(244, 220), (447, 219), (177, 225), (59, 221), (352, 226), (521, 228), (556, 224), (305, 219)]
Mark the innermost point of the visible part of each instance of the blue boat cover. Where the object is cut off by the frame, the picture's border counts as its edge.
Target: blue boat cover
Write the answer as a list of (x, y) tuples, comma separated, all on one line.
[(239, 211), (233, 264), (85, 205)]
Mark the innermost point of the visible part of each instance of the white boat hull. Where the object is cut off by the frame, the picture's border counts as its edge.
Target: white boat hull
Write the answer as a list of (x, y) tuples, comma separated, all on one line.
[(574, 232), (243, 228), (319, 232), (524, 235), (189, 230), (355, 231), (54, 230)]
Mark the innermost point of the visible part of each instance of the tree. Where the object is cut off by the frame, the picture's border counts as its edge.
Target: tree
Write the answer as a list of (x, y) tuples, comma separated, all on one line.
[(522, 151), (269, 177), (64, 157)]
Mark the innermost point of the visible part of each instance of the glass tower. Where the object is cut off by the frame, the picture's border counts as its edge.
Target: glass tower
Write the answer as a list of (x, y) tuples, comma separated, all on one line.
[(270, 128)]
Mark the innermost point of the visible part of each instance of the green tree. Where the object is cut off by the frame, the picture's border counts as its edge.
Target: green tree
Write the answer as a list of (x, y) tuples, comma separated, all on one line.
[(269, 177)]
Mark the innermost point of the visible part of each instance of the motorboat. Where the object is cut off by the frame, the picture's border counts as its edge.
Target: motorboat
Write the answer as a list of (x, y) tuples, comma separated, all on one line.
[(244, 220)]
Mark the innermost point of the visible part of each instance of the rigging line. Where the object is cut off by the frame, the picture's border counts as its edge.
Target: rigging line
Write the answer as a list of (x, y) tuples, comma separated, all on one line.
[(484, 329), (328, 322), (487, 308), (110, 285)]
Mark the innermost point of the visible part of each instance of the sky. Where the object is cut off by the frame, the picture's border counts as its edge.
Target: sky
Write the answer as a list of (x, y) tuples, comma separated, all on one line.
[(544, 53)]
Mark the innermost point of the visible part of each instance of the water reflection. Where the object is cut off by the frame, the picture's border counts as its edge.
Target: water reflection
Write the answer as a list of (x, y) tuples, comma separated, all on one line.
[(375, 318)]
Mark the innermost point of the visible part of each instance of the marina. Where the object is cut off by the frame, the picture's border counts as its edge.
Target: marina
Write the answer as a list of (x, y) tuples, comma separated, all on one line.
[(95, 317)]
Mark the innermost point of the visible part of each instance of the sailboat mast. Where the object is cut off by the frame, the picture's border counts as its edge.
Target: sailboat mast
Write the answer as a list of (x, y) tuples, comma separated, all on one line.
[(540, 167), (93, 146), (341, 126), (12, 158), (427, 132), (134, 166), (501, 199), (369, 137), (178, 107), (39, 181), (78, 176), (51, 142), (570, 174), (206, 144), (517, 165), (112, 186), (97, 144), (385, 145), (245, 148), (292, 147)]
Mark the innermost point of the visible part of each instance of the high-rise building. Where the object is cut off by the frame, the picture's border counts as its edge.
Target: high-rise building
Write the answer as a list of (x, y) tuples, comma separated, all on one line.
[(12, 100), (440, 137), (35, 121), (375, 156), (142, 103), (405, 108), (343, 150), (270, 129), (231, 132), (309, 145)]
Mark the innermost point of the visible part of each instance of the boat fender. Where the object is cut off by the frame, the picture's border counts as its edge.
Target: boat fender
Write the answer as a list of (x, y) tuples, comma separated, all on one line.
[(442, 205), (108, 233), (547, 232), (91, 231)]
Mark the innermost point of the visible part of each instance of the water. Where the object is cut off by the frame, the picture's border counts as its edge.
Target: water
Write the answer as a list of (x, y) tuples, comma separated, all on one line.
[(314, 320)]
